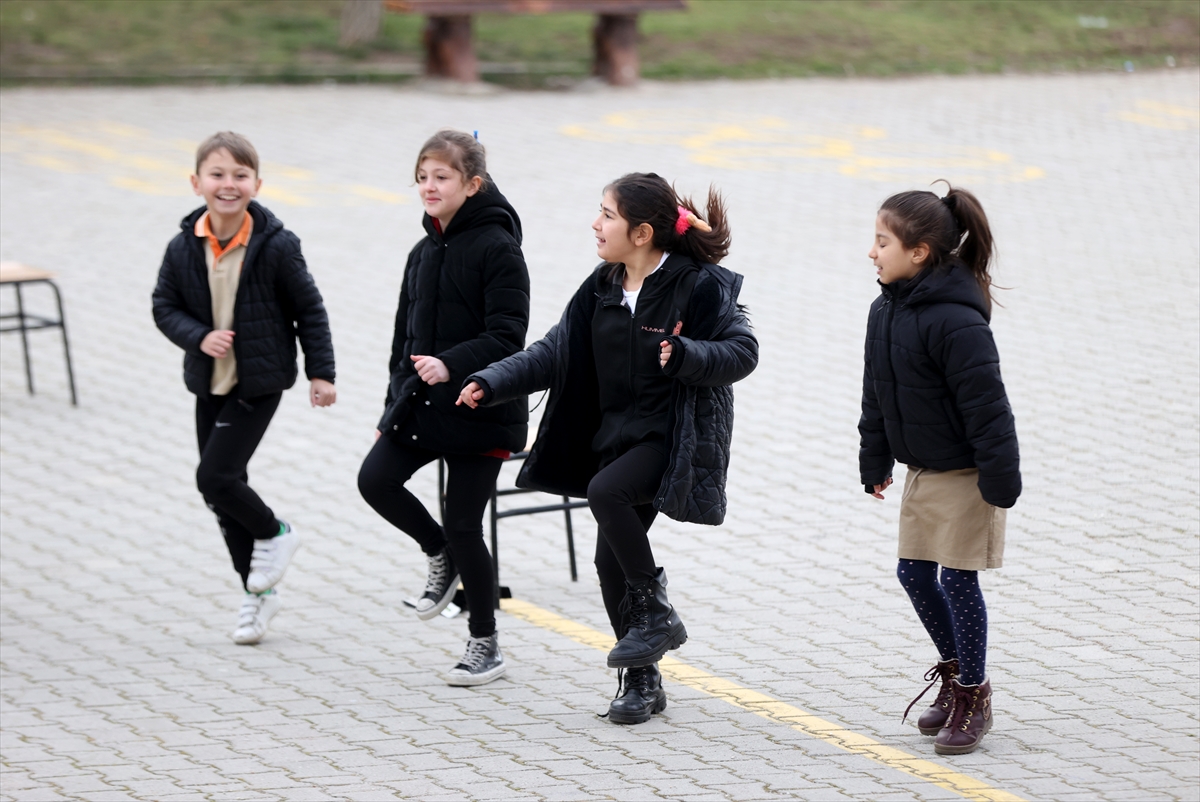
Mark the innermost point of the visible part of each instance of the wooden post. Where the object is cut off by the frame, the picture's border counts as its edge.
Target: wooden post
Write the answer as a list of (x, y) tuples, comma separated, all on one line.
[(615, 39), (448, 49)]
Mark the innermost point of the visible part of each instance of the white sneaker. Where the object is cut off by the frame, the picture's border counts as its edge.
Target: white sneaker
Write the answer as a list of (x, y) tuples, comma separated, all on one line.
[(481, 664), (270, 559), (257, 611)]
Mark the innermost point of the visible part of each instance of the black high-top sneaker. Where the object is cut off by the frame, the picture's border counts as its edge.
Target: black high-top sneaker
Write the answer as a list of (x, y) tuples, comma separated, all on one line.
[(640, 694), (440, 585), (481, 663), (654, 627)]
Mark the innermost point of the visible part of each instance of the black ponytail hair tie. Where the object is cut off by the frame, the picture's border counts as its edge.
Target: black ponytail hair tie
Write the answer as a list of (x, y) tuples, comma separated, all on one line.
[(951, 202)]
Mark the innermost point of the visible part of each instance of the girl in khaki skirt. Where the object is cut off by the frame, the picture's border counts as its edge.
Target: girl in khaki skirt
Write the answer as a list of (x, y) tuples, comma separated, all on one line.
[(933, 399)]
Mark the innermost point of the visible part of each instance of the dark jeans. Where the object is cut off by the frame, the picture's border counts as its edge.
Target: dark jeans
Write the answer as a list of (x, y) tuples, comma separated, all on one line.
[(469, 483), (620, 497), (229, 429)]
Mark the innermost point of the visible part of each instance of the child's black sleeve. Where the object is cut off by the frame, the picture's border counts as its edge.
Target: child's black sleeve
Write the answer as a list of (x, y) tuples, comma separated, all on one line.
[(308, 311), (171, 312), (399, 331), (875, 459), (505, 314), (971, 363)]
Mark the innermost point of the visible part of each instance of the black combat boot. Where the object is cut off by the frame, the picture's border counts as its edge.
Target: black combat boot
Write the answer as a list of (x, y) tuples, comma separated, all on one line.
[(640, 694), (654, 627)]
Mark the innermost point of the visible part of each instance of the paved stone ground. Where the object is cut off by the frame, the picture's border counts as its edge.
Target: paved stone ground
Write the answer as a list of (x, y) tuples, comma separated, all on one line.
[(119, 681)]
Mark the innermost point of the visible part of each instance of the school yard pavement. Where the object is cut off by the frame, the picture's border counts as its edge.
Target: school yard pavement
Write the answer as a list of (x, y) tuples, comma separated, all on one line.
[(118, 678)]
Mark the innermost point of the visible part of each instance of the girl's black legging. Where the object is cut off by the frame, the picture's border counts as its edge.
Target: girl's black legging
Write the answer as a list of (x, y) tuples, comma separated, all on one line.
[(469, 483), (620, 497), (953, 613)]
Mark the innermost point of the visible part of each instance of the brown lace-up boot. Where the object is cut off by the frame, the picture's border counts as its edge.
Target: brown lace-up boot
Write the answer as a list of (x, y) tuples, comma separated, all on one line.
[(935, 716), (970, 719)]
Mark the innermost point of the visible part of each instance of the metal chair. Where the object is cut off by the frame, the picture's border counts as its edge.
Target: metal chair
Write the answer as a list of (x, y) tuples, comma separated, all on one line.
[(19, 275), (565, 506)]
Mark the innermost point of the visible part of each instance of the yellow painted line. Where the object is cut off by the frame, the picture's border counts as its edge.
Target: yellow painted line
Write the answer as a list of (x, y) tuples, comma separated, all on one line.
[(774, 710)]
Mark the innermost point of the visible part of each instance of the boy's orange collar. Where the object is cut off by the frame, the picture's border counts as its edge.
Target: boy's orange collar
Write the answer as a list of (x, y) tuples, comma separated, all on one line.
[(242, 237)]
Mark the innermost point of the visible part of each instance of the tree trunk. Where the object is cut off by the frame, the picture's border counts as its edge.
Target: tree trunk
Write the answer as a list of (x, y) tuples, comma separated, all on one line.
[(361, 20)]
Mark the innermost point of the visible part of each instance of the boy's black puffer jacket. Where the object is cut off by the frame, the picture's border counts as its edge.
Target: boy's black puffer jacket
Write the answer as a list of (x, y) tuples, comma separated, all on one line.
[(277, 301), (714, 349), (932, 392), (464, 299)]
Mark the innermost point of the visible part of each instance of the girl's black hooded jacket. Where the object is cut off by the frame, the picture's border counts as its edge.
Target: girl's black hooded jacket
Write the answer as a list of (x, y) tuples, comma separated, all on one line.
[(714, 349), (464, 299), (932, 392), (277, 302)]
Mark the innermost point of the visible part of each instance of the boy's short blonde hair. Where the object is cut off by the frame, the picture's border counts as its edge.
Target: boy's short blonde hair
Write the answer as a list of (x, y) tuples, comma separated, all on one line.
[(238, 146)]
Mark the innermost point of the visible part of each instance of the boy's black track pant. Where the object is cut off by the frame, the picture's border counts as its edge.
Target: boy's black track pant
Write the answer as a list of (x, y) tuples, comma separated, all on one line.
[(470, 480), (229, 429)]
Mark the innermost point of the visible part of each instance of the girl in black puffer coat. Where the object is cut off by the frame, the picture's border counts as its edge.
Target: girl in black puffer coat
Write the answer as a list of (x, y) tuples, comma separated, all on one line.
[(640, 414), (934, 400), (464, 303)]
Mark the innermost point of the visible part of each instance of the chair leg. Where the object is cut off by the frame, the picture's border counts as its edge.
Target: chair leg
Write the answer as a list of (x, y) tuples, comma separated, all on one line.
[(495, 549), (442, 490), (62, 324), (570, 539), (24, 338)]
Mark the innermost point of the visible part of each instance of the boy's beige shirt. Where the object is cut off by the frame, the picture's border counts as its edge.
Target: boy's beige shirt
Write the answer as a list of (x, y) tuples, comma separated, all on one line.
[(224, 273)]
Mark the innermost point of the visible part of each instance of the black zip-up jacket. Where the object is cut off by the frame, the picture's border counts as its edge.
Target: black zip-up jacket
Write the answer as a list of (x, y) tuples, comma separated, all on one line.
[(714, 349), (277, 302), (464, 299), (932, 392), (635, 392)]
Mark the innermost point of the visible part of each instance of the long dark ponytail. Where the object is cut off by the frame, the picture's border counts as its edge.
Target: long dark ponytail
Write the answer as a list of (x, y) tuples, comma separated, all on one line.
[(648, 198), (951, 226)]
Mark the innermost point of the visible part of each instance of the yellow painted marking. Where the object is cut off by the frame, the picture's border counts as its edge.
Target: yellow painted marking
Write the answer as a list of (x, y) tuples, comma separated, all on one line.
[(772, 144), (774, 710), (134, 159)]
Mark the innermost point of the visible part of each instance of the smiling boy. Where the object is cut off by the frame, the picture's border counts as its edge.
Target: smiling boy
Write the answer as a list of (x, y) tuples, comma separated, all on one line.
[(234, 293)]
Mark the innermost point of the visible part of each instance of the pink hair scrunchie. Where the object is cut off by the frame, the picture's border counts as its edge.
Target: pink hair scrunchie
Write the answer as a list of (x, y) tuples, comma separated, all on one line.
[(688, 219), (682, 223)]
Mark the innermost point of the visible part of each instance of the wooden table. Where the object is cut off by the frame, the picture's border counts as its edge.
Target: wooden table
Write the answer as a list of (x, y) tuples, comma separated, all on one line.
[(450, 53), (18, 275)]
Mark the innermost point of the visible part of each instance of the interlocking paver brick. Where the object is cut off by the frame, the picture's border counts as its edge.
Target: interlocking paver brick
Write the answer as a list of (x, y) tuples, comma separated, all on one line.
[(117, 679)]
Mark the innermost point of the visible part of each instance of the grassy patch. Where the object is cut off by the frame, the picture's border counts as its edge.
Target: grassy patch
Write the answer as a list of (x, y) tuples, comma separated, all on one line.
[(297, 39)]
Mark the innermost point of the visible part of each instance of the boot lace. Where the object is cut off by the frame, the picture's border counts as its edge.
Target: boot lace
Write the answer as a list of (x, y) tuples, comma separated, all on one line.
[(962, 707), (634, 609), (630, 678), (933, 675)]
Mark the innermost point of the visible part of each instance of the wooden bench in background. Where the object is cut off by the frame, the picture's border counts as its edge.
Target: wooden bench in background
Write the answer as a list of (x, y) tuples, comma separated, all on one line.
[(450, 52)]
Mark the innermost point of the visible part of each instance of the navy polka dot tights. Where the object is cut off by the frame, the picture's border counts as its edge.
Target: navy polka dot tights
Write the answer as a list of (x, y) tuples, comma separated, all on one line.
[(952, 611)]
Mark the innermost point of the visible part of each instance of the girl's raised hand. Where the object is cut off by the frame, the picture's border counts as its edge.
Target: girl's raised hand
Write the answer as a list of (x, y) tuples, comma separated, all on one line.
[(431, 369), (880, 488), (664, 353), (471, 395)]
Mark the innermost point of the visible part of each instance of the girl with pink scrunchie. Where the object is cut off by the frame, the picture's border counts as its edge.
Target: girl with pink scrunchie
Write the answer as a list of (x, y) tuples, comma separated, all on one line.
[(640, 411)]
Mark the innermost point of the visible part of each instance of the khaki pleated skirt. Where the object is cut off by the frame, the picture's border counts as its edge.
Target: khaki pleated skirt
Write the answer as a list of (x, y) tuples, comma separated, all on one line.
[(944, 519)]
